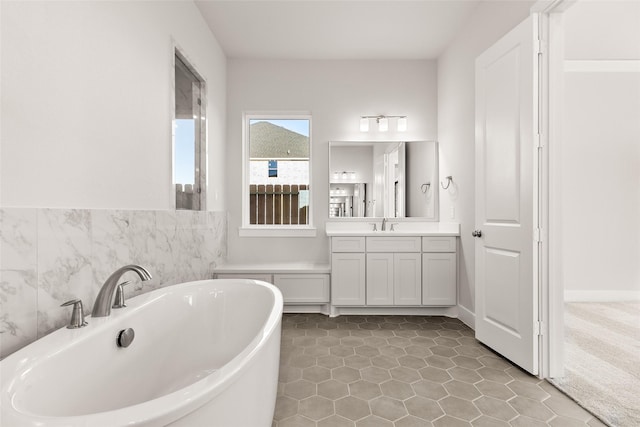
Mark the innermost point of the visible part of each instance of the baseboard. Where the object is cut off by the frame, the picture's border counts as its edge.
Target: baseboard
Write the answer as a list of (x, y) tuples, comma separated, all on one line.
[(467, 317), (601, 296), (306, 308), (395, 311)]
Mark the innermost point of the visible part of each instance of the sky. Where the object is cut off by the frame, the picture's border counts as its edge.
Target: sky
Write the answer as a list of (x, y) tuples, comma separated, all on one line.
[(184, 151)]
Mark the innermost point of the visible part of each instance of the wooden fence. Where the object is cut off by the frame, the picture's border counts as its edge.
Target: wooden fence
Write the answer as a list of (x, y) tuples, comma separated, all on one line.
[(277, 204)]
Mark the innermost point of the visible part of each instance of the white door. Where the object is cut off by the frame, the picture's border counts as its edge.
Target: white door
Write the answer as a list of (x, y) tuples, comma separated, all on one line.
[(506, 196)]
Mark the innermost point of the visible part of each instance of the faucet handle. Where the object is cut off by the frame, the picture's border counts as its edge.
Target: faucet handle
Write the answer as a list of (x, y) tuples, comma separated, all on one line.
[(119, 300), (77, 314), (375, 226), (392, 224)]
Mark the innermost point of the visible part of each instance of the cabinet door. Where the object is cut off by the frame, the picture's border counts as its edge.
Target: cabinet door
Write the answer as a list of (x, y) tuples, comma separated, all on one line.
[(439, 279), (347, 279), (379, 279), (303, 288), (407, 279)]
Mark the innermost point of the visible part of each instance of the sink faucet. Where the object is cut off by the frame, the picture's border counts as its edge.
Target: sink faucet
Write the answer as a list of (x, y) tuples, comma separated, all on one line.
[(102, 305), (384, 224)]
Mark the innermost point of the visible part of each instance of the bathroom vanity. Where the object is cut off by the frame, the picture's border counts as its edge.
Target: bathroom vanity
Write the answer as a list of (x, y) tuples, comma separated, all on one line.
[(413, 266)]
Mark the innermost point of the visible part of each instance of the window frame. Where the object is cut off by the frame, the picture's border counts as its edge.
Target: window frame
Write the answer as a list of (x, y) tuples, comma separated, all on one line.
[(201, 143), (273, 230)]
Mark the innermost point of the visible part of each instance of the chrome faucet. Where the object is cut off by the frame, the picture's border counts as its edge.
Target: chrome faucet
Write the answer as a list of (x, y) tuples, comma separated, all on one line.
[(384, 224), (102, 305)]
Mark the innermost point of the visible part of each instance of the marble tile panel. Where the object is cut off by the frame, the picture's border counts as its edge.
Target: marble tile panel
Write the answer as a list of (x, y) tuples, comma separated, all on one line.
[(111, 242), (18, 279), (144, 250), (64, 265)]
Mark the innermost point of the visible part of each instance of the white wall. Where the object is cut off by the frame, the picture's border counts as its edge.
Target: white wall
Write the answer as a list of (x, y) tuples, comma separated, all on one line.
[(86, 102), (598, 167), (336, 93), (456, 124)]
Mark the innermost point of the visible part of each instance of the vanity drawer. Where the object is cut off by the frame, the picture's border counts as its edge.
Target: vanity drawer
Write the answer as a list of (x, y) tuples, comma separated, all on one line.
[(347, 244), (439, 244), (393, 244)]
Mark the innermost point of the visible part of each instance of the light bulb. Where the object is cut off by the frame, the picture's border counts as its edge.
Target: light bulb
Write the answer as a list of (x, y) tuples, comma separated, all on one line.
[(383, 124), (402, 124)]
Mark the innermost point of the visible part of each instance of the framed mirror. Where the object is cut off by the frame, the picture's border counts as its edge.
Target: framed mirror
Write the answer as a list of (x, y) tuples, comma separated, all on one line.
[(370, 179)]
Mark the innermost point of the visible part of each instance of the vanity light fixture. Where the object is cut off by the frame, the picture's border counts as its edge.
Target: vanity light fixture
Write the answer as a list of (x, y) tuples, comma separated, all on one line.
[(344, 176), (383, 123)]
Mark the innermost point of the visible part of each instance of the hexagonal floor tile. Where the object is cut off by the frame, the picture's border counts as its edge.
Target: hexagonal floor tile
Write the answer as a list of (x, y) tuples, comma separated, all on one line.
[(316, 407), (352, 408), (388, 408)]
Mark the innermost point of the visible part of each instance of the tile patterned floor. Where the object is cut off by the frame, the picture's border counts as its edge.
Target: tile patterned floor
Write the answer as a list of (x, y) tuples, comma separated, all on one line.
[(404, 371)]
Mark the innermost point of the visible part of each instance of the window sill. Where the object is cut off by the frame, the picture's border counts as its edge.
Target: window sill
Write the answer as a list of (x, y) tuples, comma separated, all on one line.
[(265, 231)]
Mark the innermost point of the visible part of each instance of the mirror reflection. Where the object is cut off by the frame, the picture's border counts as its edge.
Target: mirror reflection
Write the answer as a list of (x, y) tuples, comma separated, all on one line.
[(383, 179)]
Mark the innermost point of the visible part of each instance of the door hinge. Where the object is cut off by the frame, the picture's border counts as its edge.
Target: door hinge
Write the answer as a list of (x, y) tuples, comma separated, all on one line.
[(538, 46), (199, 101), (538, 140), (537, 328), (537, 235)]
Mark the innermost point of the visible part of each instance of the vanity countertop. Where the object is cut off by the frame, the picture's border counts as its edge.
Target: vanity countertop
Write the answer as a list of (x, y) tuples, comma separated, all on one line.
[(404, 228)]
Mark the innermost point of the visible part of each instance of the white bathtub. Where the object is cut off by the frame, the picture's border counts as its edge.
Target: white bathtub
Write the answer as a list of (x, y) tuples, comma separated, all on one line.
[(205, 353)]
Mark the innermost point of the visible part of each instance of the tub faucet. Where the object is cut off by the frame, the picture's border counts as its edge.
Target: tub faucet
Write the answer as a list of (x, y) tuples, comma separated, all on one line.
[(104, 300)]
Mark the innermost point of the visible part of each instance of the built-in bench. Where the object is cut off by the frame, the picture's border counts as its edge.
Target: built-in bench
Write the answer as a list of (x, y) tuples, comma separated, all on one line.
[(305, 287)]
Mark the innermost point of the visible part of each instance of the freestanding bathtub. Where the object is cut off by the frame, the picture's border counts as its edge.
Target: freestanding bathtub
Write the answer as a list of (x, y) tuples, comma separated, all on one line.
[(205, 353)]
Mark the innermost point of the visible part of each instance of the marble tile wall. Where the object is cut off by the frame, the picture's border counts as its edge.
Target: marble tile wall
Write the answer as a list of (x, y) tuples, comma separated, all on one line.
[(49, 256)]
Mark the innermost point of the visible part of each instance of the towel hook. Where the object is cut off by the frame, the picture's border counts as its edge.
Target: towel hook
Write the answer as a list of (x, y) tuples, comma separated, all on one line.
[(425, 187), (449, 181)]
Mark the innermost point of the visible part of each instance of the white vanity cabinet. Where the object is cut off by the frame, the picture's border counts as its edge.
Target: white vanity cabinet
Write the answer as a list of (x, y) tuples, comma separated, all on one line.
[(393, 271), (439, 267), (348, 271)]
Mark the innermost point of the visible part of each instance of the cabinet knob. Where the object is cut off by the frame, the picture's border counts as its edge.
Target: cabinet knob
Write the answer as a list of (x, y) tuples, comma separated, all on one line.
[(477, 233)]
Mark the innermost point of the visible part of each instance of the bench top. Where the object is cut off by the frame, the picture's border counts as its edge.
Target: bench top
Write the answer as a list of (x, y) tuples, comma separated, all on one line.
[(274, 268)]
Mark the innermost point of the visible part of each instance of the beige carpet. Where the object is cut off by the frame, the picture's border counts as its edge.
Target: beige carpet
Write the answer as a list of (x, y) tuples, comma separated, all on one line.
[(602, 360)]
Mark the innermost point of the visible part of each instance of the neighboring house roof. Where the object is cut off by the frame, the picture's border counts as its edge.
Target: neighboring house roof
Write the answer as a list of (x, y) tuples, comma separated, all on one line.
[(269, 141)]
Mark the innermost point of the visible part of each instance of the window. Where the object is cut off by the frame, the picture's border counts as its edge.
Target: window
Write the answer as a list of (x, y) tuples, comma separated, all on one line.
[(277, 172), (273, 168), (189, 137)]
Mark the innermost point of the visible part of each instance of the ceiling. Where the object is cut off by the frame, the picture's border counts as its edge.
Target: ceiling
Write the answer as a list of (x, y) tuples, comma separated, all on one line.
[(333, 29)]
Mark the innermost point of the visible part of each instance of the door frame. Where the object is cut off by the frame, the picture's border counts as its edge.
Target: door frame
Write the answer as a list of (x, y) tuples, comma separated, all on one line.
[(550, 103)]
